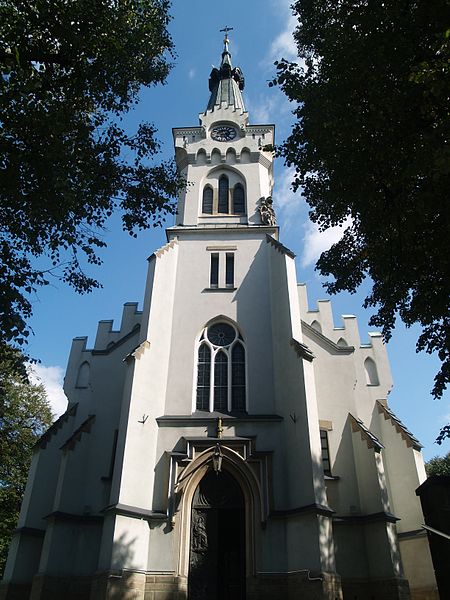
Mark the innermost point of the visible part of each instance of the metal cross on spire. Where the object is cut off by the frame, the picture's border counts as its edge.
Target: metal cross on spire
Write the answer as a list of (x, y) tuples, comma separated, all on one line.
[(226, 41)]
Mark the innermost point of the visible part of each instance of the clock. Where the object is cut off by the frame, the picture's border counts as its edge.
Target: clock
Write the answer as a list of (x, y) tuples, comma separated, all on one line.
[(223, 133)]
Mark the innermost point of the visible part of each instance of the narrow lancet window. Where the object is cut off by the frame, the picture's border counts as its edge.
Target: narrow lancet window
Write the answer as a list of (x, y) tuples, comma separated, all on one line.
[(214, 272), (238, 200), (207, 203), (229, 270), (203, 377), (238, 378), (223, 195), (83, 375), (325, 452), (221, 381), (371, 372)]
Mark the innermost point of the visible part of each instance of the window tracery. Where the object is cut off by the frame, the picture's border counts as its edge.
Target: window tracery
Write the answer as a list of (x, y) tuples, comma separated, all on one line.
[(223, 196), (221, 375)]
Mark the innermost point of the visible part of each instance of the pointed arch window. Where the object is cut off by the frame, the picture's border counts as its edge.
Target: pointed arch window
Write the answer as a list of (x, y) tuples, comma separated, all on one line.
[(221, 381), (84, 374), (224, 188), (207, 201), (221, 374), (371, 372), (203, 377), (238, 199), (238, 377)]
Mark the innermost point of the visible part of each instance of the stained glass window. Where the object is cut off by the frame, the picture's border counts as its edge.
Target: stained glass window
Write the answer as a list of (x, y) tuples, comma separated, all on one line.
[(238, 377), (223, 194), (221, 381), (221, 334), (221, 369), (238, 200), (207, 204), (203, 377)]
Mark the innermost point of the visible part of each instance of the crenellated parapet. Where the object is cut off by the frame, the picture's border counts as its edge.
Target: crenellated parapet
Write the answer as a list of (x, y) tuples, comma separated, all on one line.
[(372, 368), (107, 340)]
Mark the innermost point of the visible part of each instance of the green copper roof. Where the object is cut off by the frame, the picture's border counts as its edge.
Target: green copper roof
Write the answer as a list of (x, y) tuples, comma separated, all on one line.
[(226, 84)]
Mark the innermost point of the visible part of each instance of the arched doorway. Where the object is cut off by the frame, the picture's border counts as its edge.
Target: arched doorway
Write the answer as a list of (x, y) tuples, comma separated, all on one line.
[(217, 541)]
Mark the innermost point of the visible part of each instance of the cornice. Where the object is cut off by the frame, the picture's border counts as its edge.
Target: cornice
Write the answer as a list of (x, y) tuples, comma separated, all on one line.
[(302, 350), (317, 509), (85, 427), (264, 161), (238, 228), (198, 419), (58, 515), (250, 129), (166, 248), (415, 533), (279, 246), (371, 440), (135, 512), (407, 436), (189, 131), (138, 351), (385, 517), (30, 532), (56, 426)]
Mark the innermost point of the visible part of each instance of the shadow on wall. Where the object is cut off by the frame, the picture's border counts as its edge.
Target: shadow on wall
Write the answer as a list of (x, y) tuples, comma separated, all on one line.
[(127, 584), (120, 584)]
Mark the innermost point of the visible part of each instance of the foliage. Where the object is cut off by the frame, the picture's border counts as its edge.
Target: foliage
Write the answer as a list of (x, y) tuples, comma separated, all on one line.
[(443, 434), (24, 415), (369, 148), (439, 465), (69, 71)]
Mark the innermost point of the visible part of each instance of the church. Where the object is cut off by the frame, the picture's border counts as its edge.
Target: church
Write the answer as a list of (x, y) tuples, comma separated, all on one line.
[(227, 441)]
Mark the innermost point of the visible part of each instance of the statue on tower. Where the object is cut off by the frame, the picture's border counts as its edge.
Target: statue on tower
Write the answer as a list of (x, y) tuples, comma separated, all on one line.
[(267, 212)]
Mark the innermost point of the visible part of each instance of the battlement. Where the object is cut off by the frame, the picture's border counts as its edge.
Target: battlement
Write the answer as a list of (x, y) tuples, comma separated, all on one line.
[(371, 358), (107, 336), (106, 340), (321, 319)]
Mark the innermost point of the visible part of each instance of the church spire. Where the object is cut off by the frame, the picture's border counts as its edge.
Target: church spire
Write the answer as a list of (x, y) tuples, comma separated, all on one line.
[(226, 83)]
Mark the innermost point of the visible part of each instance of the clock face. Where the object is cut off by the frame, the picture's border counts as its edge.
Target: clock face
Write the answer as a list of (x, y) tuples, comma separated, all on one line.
[(223, 133)]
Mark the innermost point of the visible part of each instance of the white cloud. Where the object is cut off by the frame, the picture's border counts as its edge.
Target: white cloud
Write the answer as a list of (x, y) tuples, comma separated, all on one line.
[(289, 204), (263, 110), (52, 379), (315, 242), (270, 107), (284, 46), (285, 197), (191, 73)]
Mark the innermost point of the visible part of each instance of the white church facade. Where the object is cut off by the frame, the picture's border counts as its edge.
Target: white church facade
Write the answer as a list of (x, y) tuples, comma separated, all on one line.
[(227, 442)]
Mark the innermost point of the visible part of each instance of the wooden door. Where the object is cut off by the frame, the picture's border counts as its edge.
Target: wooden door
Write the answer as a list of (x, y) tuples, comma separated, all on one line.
[(217, 549)]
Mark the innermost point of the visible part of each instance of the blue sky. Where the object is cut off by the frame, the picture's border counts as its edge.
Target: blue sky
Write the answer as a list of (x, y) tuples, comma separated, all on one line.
[(261, 34)]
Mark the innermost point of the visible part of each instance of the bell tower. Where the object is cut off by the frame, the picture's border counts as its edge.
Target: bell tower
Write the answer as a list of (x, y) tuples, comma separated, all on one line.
[(229, 173)]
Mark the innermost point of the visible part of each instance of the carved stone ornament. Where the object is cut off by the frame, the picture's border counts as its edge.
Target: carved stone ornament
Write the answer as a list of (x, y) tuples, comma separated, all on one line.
[(199, 537), (267, 212)]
